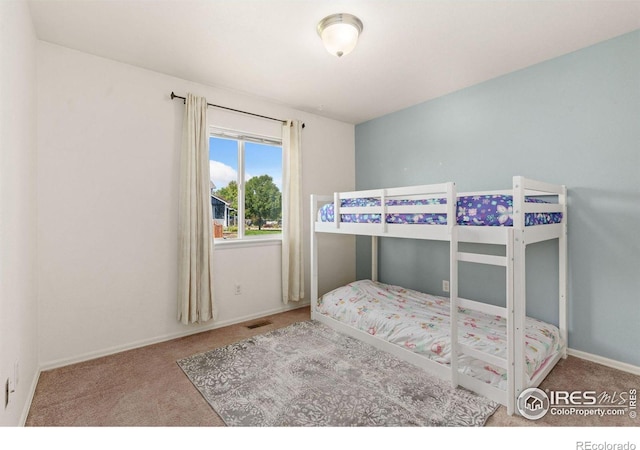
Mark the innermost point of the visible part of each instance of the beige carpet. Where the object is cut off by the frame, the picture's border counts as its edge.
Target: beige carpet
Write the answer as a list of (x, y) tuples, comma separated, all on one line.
[(145, 386)]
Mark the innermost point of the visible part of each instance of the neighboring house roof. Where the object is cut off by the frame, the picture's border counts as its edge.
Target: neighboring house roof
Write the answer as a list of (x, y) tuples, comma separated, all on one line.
[(220, 200)]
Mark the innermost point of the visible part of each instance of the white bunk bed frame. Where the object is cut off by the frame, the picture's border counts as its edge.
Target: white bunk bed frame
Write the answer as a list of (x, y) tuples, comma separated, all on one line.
[(514, 238)]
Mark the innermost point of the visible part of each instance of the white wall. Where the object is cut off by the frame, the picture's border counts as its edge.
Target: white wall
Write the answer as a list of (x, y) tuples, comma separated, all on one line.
[(108, 165), (18, 293)]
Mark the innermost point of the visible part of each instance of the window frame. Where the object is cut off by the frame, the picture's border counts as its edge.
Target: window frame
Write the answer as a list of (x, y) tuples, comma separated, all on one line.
[(242, 137)]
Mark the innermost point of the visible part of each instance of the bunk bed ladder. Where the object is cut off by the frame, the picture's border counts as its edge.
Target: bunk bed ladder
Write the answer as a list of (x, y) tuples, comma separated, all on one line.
[(508, 364)]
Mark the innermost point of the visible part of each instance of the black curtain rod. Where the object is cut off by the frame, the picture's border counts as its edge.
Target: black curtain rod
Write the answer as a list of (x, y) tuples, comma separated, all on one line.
[(174, 96)]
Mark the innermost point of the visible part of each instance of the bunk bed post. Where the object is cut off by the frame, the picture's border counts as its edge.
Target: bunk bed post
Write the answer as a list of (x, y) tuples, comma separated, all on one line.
[(374, 258), (314, 256), (563, 274), (452, 226), (519, 289), (511, 396)]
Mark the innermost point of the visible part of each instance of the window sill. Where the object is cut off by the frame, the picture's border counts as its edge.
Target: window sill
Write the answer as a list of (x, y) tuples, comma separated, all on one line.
[(224, 244)]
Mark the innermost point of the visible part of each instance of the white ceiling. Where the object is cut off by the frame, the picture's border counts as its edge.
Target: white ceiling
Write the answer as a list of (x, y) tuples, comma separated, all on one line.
[(409, 51)]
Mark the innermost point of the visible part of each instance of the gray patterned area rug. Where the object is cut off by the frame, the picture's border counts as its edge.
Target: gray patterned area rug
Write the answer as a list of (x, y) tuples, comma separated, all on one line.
[(307, 374)]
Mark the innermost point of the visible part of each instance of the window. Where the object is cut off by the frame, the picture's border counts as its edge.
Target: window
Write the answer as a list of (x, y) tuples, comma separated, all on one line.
[(246, 185)]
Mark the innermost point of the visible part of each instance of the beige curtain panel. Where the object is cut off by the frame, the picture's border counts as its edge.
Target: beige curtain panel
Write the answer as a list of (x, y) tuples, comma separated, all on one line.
[(195, 253), (292, 255)]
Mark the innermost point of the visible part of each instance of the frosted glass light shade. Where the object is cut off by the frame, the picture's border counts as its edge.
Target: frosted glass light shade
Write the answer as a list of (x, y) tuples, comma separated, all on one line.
[(339, 33)]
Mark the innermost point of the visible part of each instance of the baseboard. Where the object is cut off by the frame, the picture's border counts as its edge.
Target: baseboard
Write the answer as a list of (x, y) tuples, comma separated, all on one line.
[(630, 368), (27, 404), (156, 340)]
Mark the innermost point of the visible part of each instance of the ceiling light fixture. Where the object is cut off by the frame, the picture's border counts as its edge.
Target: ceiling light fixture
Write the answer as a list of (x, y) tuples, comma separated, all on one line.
[(340, 32)]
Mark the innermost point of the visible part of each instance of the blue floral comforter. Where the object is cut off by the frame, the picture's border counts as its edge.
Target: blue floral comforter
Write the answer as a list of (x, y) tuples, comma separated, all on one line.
[(479, 210), (420, 322)]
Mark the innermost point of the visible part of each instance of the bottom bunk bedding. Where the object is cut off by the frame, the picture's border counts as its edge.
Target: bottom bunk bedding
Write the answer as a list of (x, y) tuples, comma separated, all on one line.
[(420, 322)]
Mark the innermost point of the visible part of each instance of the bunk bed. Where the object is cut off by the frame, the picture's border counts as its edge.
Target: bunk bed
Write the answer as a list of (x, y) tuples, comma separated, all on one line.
[(494, 351)]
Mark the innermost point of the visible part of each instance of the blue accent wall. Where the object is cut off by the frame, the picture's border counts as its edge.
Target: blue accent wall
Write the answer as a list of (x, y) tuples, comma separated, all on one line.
[(573, 120)]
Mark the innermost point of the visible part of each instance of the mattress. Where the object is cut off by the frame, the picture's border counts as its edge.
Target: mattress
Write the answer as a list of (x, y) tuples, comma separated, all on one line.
[(478, 210), (420, 322)]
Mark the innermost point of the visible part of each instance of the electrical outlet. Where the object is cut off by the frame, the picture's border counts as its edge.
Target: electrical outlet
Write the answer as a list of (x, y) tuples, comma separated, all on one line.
[(238, 290), (445, 285)]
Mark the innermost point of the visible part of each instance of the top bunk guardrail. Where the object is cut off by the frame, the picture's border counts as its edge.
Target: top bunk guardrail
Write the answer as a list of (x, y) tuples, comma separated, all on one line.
[(360, 212), (366, 212)]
